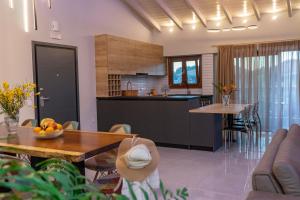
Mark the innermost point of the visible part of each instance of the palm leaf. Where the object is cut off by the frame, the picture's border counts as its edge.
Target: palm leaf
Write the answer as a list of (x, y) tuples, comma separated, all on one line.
[(130, 188)]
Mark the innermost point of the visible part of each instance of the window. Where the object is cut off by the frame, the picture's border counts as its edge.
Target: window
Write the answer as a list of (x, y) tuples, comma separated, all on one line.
[(184, 72)]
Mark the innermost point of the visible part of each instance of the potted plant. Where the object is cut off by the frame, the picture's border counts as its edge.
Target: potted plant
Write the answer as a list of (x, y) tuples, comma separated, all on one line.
[(12, 99), (225, 91), (60, 180)]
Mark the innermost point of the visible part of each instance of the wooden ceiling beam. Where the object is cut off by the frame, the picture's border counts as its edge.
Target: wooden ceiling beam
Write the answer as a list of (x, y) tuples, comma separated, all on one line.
[(290, 8), (169, 12), (256, 10), (192, 4), (143, 14), (226, 12)]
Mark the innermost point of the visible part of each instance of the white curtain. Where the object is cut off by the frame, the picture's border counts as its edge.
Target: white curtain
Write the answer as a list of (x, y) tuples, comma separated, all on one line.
[(272, 79)]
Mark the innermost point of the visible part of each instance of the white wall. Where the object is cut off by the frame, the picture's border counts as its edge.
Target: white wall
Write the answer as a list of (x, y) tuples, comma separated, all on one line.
[(79, 21), (197, 41)]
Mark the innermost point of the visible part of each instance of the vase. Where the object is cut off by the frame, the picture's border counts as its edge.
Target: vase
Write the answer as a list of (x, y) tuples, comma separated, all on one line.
[(11, 123), (225, 100)]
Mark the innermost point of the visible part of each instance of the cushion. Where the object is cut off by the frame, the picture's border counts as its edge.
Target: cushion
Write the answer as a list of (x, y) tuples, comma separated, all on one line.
[(286, 166), (254, 195), (263, 178)]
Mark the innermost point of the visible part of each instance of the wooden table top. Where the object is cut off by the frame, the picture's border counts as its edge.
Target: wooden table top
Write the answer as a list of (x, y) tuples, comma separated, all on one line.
[(220, 109), (74, 146)]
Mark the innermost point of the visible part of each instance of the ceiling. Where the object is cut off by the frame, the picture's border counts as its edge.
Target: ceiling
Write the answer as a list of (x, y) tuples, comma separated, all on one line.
[(169, 13)]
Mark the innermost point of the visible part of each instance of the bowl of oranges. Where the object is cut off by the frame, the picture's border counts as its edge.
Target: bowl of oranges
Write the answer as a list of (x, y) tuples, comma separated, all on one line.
[(48, 129)]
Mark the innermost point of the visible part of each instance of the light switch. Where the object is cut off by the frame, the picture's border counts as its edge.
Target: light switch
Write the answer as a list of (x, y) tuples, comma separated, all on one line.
[(54, 26)]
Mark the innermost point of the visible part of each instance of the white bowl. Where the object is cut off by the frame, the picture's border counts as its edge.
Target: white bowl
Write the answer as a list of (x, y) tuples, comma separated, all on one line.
[(54, 134)]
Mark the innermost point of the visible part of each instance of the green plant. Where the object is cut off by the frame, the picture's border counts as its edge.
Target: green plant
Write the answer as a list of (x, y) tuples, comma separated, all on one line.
[(60, 180)]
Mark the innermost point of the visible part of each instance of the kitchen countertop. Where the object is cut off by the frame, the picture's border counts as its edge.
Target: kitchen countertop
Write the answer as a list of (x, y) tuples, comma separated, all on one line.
[(154, 98)]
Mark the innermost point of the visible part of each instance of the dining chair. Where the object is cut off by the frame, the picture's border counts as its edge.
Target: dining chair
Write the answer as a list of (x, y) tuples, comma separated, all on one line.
[(27, 123), (6, 157), (105, 163), (71, 125), (9, 157), (30, 123)]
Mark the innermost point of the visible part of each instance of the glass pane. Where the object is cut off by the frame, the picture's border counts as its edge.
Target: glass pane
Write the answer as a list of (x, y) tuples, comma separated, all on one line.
[(177, 73), (191, 72)]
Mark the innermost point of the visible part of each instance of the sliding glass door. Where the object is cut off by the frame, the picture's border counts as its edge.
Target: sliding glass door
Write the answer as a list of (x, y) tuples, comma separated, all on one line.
[(272, 79)]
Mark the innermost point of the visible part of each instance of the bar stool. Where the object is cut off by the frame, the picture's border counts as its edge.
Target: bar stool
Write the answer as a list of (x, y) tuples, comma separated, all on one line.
[(243, 126)]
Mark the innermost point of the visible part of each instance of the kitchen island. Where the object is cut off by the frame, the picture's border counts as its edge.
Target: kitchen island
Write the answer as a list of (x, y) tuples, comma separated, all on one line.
[(165, 120)]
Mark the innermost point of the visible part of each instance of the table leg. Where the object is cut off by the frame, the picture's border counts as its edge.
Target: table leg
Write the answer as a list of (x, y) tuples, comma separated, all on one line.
[(35, 160), (230, 126)]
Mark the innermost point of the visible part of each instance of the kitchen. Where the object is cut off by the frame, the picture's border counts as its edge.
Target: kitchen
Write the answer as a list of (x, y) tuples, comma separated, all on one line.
[(133, 87)]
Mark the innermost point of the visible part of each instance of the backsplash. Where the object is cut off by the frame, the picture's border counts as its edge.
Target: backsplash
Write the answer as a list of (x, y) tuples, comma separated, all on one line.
[(145, 83), (141, 83)]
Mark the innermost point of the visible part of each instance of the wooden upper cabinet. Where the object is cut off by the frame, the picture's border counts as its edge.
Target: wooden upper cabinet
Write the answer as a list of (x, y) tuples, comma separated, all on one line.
[(128, 57)]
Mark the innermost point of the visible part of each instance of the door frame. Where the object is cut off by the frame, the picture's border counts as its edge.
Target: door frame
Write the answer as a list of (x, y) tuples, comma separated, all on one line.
[(35, 74)]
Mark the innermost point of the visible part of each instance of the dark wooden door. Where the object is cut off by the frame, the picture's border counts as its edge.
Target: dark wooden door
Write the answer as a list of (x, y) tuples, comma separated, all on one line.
[(55, 71)]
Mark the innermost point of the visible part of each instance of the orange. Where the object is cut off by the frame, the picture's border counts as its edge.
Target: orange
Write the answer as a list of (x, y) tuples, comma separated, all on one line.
[(37, 129), (49, 130)]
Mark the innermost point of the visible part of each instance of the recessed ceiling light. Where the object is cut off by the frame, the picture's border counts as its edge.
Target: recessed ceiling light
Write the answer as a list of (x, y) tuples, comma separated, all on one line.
[(218, 24), (194, 26), (252, 27), (245, 21), (274, 17), (213, 30), (226, 29), (171, 29), (238, 28)]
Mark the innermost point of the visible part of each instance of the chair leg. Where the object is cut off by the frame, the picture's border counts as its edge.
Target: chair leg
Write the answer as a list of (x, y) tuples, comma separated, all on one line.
[(96, 175), (225, 137), (259, 122)]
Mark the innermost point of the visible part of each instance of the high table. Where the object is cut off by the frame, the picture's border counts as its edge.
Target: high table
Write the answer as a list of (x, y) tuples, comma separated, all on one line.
[(206, 123), (74, 146)]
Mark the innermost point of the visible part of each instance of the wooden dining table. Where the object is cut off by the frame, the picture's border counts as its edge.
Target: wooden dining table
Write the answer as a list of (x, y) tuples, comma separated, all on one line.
[(73, 146)]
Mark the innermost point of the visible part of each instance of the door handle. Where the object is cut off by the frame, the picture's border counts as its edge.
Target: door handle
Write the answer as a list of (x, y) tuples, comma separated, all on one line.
[(42, 100), (45, 98)]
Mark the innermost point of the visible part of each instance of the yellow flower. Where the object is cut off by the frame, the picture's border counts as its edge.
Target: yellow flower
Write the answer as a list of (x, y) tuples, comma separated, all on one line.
[(13, 99), (5, 85)]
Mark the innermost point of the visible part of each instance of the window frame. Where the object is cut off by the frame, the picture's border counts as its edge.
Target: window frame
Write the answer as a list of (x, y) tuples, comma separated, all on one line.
[(184, 59)]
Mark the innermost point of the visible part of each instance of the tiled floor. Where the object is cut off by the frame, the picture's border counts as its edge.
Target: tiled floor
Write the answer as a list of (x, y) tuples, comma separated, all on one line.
[(211, 175), (216, 175)]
